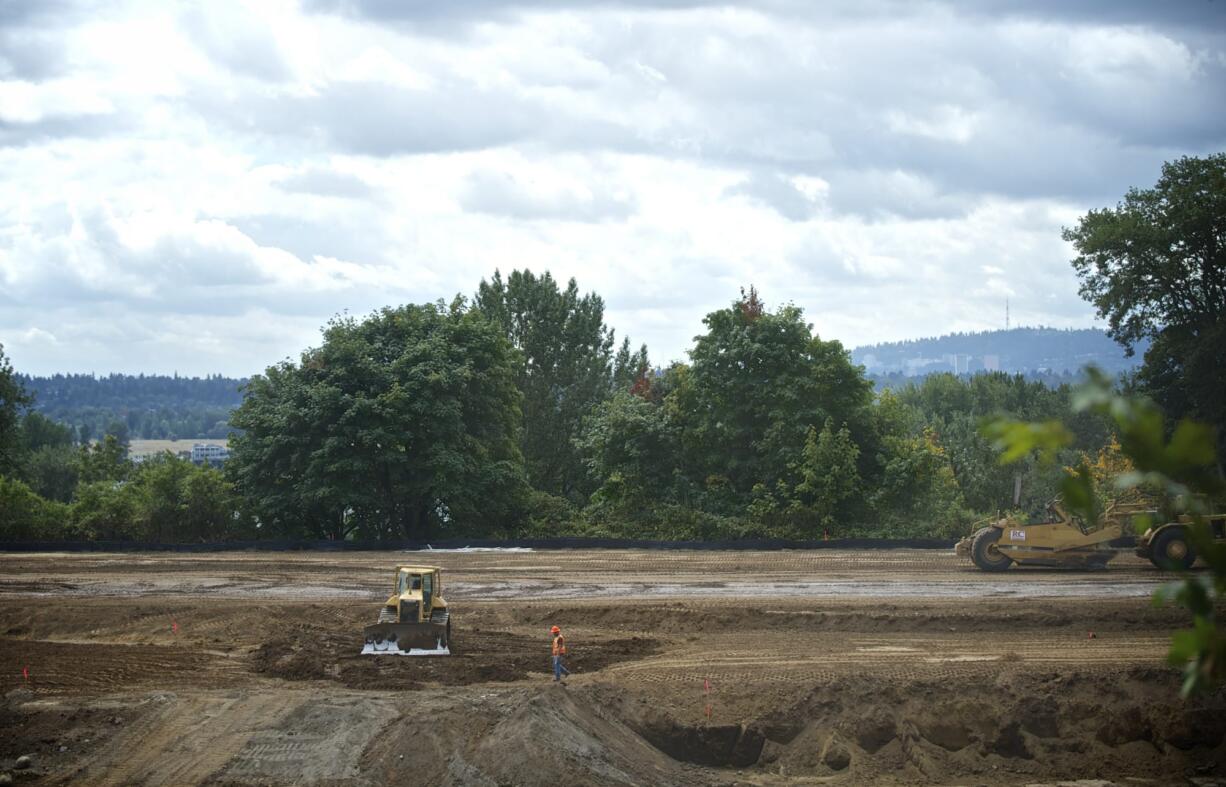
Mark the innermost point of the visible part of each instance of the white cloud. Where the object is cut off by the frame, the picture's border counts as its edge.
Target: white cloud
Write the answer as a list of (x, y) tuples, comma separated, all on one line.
[(200, 187), (26, 102), (942, 123)]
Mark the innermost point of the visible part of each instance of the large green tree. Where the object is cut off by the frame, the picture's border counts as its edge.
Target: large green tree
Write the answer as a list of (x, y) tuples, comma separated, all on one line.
[(630, 447), (185, 503), (404, 424), (26, 516), (53, 471), (13, 401), (565, 367), (1155, 268), (760, 382)]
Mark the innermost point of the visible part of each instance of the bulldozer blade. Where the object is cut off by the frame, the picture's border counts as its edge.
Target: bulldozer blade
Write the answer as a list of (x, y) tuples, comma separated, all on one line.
[(405, 639)]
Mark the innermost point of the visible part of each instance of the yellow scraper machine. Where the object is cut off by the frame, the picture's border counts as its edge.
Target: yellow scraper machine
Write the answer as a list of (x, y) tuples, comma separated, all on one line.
[(414, 621), (1063, 541)]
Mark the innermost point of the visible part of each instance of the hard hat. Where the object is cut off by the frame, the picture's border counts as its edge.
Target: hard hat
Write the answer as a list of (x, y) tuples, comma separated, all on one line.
[(555, 630)]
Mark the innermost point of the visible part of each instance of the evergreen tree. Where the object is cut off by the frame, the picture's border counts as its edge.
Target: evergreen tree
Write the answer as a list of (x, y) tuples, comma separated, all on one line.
[(564, 368)]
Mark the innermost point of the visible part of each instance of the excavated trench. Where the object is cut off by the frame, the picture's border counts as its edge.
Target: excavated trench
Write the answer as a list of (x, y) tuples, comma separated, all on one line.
[(1129, 725), (720, 745), (1015, 728)]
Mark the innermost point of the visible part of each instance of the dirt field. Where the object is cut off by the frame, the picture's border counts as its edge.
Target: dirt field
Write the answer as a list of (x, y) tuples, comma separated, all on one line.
[(690, 668)]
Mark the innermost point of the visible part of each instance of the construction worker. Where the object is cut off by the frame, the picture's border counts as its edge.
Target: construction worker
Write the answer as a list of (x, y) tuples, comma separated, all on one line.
[(559, 652)]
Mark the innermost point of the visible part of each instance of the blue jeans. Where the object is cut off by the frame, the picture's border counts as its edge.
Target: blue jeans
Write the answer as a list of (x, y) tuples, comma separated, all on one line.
[(558, 669)]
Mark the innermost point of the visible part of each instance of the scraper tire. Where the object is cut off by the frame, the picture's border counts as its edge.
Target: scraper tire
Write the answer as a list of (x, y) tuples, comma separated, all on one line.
[(1172, 551), (985, 552)]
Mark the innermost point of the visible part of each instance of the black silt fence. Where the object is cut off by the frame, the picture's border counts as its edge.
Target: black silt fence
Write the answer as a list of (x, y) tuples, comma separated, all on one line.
[(285, 545)]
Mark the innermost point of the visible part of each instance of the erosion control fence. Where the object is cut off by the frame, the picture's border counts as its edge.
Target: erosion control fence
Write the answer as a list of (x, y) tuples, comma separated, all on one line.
[(454, 544)]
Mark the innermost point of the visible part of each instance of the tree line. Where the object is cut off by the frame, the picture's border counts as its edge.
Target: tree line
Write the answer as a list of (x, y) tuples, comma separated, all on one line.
[(137, 406), (517, 412)]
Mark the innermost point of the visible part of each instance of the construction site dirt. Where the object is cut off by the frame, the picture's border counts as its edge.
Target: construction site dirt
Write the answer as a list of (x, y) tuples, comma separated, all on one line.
[(688, 668)]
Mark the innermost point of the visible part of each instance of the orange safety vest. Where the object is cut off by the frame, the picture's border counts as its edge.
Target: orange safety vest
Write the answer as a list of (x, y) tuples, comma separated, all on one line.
[(559, 645)]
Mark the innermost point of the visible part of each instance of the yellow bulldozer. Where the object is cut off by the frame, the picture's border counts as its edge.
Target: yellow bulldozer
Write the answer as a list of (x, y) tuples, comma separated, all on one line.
[(414, 621), (1062, 541)]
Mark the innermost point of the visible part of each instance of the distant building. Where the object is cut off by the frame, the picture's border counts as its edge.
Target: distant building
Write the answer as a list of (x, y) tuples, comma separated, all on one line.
[(209, 453), (913, 367), (991, 363)]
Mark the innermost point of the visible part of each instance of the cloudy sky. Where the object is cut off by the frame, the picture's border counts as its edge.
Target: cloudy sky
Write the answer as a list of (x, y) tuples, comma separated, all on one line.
[(199, 187)]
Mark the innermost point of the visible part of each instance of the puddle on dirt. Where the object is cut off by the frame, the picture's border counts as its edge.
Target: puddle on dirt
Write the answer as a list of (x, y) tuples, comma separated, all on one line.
[(1021, 587), (178, 586), (463, 550)]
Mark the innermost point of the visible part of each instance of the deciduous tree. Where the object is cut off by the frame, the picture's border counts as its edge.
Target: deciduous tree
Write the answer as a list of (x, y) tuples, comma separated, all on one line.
[(13, 401), (404, 424), (1155, 266), (758, 382)]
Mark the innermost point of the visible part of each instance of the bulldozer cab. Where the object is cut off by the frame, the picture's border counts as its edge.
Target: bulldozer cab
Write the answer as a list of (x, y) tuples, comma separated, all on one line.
[(419, 579)]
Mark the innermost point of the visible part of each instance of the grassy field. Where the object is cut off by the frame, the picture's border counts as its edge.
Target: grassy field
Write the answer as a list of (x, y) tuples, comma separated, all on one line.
[(144, 447)]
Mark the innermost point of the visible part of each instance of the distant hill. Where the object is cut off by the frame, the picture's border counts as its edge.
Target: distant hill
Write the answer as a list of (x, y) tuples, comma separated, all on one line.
[(1037, 351), (158, 407)]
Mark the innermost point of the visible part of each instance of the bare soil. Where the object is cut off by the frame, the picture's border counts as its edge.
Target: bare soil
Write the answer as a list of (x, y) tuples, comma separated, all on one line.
[(688, 668)]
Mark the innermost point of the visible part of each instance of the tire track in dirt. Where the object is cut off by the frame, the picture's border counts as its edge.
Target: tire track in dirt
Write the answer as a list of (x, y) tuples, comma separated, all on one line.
[(187, 739), (731, 659), (93, 667)]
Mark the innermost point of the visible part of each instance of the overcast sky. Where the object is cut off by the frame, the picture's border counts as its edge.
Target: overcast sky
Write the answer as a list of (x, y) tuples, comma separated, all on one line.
[(200, 187)]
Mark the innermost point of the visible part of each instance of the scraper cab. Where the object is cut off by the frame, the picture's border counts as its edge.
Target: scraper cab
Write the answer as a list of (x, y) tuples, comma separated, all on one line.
[(414, 621)]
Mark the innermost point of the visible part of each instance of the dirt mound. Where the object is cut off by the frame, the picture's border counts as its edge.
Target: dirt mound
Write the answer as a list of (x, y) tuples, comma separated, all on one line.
[(308, 652), (531, 736)]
